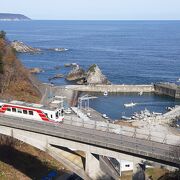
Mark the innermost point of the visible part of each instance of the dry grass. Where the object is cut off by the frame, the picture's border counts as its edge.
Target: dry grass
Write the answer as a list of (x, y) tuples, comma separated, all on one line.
[(156, 173), (19, 161)]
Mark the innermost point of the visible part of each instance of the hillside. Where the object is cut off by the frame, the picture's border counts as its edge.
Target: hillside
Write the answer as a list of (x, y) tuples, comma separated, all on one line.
[(15, 80), (13, 17), (19, 160)]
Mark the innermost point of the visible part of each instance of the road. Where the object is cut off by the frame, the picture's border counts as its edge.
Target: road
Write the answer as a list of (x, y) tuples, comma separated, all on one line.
[(115, 142)]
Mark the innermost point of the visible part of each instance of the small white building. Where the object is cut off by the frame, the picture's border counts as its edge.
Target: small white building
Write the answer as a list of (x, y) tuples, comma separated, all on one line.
[(125, 165)]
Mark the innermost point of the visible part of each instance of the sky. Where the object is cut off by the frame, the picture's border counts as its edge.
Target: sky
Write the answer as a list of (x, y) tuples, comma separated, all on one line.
[(94, 9)]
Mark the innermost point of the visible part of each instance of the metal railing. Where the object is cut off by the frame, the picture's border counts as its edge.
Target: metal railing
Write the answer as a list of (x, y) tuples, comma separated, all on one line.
[(134, 132)]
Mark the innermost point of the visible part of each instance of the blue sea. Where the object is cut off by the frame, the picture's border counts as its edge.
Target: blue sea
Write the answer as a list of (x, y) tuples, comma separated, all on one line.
[(128, 52)]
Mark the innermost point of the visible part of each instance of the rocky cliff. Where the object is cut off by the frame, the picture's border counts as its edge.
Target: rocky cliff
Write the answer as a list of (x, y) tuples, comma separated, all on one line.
[(15, 80), (95, 76)]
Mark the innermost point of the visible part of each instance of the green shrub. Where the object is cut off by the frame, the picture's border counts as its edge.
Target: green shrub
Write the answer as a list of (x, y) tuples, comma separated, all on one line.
[(2, 34), (1, 64)]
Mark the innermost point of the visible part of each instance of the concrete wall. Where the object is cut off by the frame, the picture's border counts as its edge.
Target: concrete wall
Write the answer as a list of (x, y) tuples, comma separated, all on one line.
[(112, 88), (169, 89)]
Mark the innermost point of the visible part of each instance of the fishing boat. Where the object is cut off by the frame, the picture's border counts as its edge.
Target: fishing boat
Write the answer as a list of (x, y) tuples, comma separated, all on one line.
[(130, 104)]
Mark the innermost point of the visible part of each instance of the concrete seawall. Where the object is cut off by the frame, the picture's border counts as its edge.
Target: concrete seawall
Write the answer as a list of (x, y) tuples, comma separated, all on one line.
[(168, 89), (112, 88)]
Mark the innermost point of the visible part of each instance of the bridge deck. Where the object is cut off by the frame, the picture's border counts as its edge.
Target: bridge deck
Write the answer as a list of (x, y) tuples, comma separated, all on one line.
[(115, 142)]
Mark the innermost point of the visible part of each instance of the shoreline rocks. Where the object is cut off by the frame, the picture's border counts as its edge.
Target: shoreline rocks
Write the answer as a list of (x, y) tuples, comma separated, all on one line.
[(23, 48)]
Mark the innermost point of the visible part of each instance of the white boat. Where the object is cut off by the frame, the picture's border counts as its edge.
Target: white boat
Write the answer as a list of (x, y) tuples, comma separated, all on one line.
[(68, 111), (140, 93), (105, 116), (126, 118), (105, 93), (178, 80), (130, 104)]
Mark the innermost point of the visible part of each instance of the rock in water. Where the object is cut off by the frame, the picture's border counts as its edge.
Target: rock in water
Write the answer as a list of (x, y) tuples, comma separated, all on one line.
[(56, 77), (23, 48), (59, 49), (35, 70), (75, 74), (95, 76)]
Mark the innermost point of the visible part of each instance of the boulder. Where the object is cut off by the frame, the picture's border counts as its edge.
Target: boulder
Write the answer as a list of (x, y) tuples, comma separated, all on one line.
[(75, 74), (95, 76), (57, 67), (36, 70), (23, 48), (67, 65)]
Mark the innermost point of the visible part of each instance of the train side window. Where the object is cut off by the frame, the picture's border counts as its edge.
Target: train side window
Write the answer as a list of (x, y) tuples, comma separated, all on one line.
[(19, 110), (13, 109), (51, 116), (24, 111), (0, 107), (8, 109), (30, 112), (57, 114)]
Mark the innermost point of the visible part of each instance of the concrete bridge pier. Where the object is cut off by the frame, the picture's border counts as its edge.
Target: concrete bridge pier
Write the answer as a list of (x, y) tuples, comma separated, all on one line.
[(93, 168), (138, 170)]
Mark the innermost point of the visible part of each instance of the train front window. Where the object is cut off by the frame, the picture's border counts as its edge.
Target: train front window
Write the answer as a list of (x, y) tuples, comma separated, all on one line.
[(8, 109), (30, 112)]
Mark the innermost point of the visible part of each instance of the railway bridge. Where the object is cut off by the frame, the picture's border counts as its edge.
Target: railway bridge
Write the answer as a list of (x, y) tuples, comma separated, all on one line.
[(59, 140)]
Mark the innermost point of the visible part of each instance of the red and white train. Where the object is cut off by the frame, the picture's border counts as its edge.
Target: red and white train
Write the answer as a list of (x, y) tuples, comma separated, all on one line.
[(32, 111)]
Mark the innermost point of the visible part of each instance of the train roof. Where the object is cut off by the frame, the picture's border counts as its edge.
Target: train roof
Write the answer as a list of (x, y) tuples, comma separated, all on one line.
[(33, 105)]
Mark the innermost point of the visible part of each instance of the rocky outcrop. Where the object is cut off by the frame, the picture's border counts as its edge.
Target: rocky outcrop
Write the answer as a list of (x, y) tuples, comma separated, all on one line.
[(95, 76), (92, 76), (75, 74), (23, 48), (36, 70)]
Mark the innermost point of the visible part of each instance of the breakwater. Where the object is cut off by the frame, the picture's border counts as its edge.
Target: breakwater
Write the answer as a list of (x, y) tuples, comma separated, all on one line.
[(112, 88), (168, 89)]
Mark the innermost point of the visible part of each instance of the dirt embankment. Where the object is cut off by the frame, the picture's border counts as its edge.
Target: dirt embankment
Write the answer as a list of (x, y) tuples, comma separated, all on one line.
[(15, 80)]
